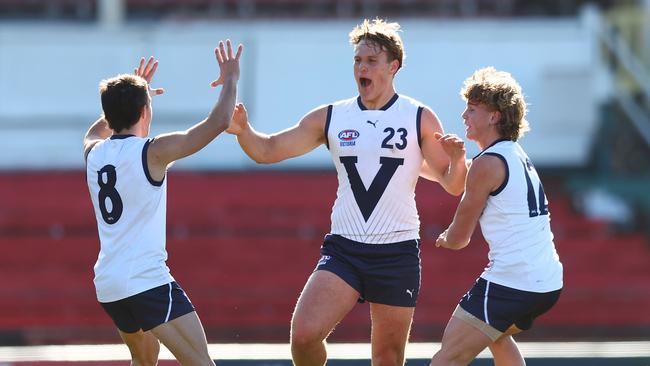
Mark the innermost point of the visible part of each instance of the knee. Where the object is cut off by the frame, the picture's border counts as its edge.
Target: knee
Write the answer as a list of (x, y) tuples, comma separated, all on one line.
[(305, 337)]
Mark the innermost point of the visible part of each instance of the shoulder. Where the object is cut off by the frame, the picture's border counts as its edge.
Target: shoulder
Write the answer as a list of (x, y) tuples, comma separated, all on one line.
[(405, 99), (487, 170), (93, 145), (345, 102), (429, 121), (317, 116)]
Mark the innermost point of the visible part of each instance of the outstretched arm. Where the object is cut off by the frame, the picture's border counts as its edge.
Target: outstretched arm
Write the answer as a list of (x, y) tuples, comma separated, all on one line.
[(444, 155), (485, 176), (169, 147), (298, 140)]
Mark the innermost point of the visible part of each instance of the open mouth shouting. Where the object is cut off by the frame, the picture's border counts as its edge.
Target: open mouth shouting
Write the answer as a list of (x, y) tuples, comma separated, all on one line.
[(364, 82)]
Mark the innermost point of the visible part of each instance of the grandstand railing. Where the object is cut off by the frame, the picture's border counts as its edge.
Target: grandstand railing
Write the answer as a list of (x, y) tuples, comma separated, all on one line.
[(623, 55)]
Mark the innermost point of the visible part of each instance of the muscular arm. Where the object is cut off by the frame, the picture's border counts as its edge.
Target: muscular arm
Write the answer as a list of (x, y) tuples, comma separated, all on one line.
[(298, 140), (486, 175), (99, 131), (427, 173), (449, 171)]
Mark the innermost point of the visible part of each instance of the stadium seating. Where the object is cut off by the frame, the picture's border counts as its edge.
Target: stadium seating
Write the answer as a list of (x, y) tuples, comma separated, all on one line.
[(243, 244)]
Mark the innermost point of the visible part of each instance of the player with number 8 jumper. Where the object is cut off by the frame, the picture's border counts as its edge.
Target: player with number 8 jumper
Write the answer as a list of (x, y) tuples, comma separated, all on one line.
[(379, 142), (126, 173)]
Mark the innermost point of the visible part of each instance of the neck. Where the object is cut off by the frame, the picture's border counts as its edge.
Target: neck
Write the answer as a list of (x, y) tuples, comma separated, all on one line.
[(136, 130), (488, 141), (379, 101)]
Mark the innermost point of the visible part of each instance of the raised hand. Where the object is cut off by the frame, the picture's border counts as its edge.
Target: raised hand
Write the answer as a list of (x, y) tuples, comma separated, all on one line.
[(146, 72), (453, 145), (239, 120), (228, 64)]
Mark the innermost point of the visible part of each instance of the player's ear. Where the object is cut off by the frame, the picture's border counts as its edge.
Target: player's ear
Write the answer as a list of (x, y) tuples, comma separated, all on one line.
[(394, 66), (495, 117), (144, 113)]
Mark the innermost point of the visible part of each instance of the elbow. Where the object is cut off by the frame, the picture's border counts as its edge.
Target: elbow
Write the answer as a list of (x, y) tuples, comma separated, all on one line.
[(457, 192), (264, 159)]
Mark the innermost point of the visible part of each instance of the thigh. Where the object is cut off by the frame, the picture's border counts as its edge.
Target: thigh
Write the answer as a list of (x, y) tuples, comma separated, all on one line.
[(185, 338), (323, 303), (505, 352), (390, 331)]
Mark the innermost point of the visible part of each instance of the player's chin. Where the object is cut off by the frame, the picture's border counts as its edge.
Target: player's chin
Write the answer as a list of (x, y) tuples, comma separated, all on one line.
[(365, 92), (468, 133)]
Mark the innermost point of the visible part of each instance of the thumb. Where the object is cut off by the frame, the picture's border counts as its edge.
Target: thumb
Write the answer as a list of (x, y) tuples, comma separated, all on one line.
[(216, 83), (437, 135), (157, 91)]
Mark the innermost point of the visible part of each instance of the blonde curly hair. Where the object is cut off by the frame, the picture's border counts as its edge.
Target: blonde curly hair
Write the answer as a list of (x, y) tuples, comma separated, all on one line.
[(500, 92), (383, 34)]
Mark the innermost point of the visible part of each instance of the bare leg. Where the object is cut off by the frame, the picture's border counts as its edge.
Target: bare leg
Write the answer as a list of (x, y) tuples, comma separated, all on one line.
[(324, 302), (505, 350), (144, 347), (185, 338), (461, 343), (390, 331)]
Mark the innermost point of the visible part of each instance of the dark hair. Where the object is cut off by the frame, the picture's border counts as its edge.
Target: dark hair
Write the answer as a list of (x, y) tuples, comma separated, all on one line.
[(123, 98), (383, 34)]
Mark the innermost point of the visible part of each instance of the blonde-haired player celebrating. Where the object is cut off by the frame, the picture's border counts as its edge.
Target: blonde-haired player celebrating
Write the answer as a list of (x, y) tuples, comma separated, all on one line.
[(503, 192), (378, 141)]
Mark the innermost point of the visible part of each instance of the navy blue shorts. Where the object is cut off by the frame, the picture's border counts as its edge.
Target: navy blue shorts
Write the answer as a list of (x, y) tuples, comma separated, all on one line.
[(386, 274), (149, 309), (493, 308)]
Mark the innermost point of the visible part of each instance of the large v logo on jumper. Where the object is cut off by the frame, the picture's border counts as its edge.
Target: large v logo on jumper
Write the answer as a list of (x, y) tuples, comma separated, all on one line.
[(367, 199)]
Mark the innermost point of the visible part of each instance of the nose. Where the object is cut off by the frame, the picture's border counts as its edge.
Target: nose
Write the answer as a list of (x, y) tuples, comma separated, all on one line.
[(363, 67)]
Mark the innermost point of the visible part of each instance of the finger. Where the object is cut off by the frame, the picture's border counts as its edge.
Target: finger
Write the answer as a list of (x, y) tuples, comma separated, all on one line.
[(229, 45), (222, 51), (437, 135), (217, 53), (152, 71), (139, 69), (147, 69), (240, 48), (157, 91), (216, 83)]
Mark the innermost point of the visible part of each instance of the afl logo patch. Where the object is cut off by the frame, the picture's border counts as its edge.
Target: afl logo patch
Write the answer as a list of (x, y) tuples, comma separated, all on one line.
[(347, 137)]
